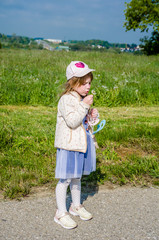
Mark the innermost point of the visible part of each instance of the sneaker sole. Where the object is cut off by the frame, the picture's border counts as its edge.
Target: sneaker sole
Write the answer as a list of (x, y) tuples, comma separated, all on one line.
[(58, 222), (76, 214)]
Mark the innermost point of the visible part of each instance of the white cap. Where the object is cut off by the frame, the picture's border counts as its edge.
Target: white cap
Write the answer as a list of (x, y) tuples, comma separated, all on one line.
[(77, 69)]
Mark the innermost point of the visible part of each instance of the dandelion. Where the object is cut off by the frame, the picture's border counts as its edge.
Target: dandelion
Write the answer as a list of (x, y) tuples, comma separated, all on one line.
[(115, 78), (105, 87), (115, 87), (136, 91), (93, 92), (35, 79)]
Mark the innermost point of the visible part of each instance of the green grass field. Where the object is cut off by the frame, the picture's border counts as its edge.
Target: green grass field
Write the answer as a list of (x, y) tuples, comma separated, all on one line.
[(127, 93), (37, 77), (128, 148)]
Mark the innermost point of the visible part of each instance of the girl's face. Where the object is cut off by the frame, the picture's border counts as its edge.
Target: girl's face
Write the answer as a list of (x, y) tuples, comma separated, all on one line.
[(84, 88)]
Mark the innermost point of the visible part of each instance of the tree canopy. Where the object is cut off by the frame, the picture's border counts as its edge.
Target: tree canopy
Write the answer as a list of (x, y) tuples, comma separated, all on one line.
[(142, 14), (151, 46)]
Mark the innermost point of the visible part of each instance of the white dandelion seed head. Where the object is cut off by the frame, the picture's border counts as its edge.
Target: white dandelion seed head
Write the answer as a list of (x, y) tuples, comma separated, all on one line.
[(115, 87), (115, 78), (105, 87), (93, 92)]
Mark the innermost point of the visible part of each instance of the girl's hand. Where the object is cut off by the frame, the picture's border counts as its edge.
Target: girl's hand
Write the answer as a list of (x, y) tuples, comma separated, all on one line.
[(93, 117), (88, 99), (94, 113)]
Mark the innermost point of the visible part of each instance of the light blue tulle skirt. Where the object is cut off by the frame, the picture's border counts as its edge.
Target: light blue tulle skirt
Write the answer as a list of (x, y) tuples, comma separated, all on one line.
[(72, 164)]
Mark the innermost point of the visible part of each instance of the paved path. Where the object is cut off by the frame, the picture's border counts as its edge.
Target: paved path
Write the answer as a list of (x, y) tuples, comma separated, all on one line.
[(119, 214)]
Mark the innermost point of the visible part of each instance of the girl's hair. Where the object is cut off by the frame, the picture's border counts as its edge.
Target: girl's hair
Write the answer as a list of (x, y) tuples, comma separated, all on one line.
[(76, 81)]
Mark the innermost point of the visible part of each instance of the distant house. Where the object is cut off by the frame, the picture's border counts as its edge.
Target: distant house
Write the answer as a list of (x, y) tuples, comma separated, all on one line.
[(99, 46), (54, 40), (60, 48), (48, 48), (45, 45), (138, 48)]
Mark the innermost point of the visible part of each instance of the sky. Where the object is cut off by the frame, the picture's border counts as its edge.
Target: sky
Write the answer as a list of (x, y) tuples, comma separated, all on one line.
[(67, 20)]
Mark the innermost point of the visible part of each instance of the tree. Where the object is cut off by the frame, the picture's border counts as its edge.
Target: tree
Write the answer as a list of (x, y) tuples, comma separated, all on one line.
[(142, 14), (151, 45)]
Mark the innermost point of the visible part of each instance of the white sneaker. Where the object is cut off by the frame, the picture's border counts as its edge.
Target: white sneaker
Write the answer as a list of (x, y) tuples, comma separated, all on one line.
[(80, 211), (65, 221)]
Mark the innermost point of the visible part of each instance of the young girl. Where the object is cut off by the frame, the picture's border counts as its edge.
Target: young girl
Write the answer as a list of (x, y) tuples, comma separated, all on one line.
[(76, 154)]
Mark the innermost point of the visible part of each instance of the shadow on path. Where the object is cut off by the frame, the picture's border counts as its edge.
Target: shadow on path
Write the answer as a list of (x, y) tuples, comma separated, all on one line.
[(89, 186)]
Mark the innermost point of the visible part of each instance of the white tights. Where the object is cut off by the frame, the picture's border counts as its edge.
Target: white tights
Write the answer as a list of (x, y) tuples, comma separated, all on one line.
[(61, 191)]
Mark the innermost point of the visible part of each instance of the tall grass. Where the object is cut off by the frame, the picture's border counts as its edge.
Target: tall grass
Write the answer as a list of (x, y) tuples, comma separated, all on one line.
[(128, 148), (27, 155), (37, 77)]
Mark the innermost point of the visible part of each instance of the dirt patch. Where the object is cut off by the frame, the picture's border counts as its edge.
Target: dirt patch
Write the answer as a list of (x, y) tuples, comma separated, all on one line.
[(40, 192), (46, 191), (124, 152)]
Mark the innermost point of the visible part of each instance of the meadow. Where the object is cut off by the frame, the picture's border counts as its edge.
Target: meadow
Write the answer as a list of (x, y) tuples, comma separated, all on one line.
[(36, 77), (126, 94)]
